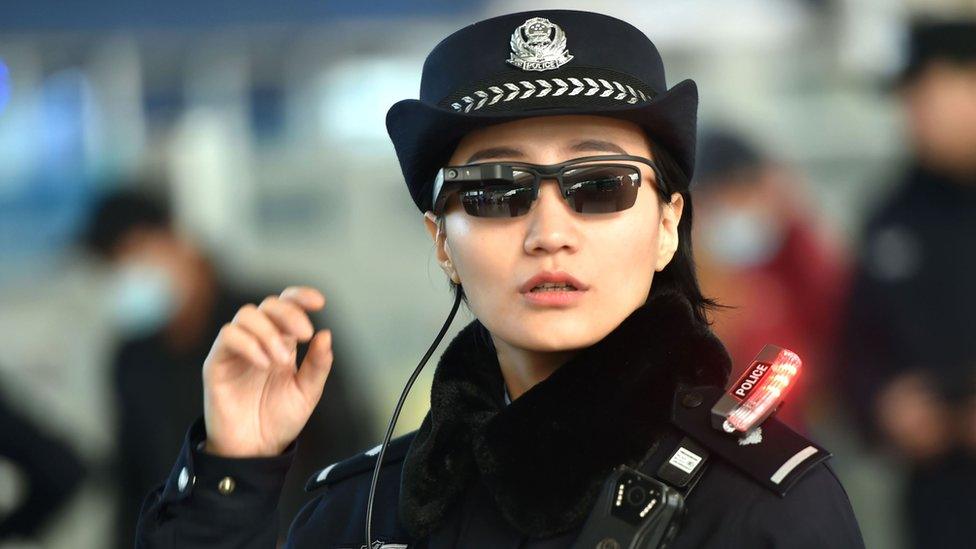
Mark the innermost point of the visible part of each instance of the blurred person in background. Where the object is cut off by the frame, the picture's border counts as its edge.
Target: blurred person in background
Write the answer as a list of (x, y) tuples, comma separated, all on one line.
[(763, 254), (169, 301), (909, 359), (50, 467)]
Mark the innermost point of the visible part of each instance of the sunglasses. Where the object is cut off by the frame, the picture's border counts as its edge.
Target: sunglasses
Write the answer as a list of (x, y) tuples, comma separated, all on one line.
[(590, 185)]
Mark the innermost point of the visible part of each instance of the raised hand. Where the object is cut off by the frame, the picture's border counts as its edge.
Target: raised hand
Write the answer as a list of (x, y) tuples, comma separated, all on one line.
[(255, 399)]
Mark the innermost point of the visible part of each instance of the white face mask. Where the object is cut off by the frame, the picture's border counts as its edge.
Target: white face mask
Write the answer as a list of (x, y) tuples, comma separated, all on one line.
[(141, 298), (740, 237)]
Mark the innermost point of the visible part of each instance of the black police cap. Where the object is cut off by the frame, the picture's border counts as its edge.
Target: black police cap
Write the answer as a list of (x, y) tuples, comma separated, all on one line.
[(538, 63)]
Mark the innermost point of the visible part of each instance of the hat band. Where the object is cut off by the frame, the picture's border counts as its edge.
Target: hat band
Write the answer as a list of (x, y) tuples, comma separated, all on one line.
[(582, 89)]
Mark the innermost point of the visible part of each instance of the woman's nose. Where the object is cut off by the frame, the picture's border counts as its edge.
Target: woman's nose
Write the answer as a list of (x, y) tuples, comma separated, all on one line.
[(552, 224)]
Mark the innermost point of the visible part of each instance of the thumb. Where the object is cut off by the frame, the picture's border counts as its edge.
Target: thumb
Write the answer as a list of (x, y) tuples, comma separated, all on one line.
[(315, 368)]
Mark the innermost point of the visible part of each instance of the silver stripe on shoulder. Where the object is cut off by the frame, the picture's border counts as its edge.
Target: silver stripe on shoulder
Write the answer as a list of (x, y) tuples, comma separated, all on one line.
[(792, 463), (324, 473)]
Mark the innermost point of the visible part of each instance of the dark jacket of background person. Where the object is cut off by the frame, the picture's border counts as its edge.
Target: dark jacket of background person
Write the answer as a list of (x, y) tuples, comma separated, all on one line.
[(911, 311), (52, 470), (912, 302), (480, 473)]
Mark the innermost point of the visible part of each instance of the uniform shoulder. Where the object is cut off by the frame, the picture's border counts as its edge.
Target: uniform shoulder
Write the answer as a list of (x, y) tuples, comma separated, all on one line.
[(817, 513), (772, 455), (361, 463)]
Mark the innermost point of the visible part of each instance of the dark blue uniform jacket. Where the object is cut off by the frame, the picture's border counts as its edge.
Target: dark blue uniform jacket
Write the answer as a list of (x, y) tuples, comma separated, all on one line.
[(480, 473)]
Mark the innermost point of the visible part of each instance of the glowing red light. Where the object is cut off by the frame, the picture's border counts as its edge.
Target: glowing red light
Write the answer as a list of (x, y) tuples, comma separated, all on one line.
[(761, 389)]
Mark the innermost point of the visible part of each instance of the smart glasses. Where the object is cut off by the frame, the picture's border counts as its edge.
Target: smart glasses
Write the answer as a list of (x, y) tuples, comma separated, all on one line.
[(589, 184)]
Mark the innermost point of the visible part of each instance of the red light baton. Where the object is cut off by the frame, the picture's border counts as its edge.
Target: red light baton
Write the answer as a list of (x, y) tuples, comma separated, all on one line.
[(758, 392)]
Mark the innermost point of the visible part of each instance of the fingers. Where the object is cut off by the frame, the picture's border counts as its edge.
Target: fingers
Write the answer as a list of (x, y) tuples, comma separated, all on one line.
[(288, 312), (290, 318), (306, 297), (260, 326), (316, 366), (237, 341), (278, 323)]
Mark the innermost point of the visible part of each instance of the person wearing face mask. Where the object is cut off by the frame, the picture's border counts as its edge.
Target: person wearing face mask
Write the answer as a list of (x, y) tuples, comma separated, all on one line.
[(761, 253), (167, 301), (551, 164), (909, 352)]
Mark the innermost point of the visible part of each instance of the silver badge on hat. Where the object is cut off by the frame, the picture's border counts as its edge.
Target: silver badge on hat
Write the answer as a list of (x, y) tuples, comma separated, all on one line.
[(539, 45)]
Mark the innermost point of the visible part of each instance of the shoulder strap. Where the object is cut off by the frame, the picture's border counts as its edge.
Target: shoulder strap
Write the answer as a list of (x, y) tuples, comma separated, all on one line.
[(360, 463), (772, 454)]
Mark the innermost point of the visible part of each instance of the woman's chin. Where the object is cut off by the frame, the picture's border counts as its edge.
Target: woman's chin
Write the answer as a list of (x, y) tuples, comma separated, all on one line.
[(553, 334)]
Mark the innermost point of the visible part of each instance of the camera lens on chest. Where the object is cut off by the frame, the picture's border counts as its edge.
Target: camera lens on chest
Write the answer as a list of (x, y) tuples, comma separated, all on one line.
[(636, 495)]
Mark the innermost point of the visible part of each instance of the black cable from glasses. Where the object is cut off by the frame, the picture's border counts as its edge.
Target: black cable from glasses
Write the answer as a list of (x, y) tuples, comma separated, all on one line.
[(396, 414)]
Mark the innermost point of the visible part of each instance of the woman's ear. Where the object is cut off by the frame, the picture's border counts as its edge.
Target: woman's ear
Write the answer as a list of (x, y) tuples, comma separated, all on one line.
[(435, 228), (668, 231)]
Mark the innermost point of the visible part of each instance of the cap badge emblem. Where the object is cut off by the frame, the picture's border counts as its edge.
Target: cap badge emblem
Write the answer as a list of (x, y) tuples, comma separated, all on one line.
[(539, 45)]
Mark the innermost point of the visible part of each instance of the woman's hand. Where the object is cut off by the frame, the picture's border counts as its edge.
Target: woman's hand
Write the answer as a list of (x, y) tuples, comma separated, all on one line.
[(255, 401)]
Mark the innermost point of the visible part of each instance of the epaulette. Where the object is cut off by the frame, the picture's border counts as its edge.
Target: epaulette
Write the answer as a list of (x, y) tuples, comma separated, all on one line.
[(772, 454), (362, 462)]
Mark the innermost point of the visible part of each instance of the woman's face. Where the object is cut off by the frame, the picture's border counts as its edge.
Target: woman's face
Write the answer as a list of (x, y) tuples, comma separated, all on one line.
[(613, 256)]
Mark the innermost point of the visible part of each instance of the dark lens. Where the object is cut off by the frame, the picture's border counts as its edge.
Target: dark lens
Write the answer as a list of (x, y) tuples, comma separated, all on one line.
[(497, 201), (601, 189), (500, 198)]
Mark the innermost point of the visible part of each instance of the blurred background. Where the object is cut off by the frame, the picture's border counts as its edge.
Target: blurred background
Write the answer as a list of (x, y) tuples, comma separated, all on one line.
[(162, 163)]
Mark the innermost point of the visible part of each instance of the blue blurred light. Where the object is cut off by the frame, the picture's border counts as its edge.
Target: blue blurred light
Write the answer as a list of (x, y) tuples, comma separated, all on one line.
[(100, 14), (4, 85)]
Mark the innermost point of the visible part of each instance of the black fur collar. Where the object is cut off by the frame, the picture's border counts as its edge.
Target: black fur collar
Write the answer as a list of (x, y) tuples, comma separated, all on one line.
[(545, 456)]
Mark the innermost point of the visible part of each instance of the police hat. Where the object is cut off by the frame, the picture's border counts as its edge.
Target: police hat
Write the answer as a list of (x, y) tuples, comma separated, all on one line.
[(538, 63)]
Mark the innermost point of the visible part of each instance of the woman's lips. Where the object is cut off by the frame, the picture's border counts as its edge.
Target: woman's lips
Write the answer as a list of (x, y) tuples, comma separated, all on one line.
[(555, 277), (554, 298)]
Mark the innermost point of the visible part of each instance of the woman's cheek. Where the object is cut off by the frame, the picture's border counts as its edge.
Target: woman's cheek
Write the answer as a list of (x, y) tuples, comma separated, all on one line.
[(485, 269), (631, 275)]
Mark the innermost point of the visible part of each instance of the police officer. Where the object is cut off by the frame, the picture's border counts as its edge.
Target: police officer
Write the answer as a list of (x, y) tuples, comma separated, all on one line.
[(552, 164)]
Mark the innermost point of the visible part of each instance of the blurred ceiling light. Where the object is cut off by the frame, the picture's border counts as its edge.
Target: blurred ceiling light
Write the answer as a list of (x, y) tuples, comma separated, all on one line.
[(356, 93), (704, 24)]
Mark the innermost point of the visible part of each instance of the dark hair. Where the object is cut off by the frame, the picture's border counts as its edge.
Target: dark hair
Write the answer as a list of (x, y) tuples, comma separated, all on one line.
[(679, 275), (119, 212)]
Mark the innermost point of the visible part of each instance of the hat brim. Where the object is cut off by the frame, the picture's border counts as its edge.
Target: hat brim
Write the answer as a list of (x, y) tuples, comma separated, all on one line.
[(424, 135)]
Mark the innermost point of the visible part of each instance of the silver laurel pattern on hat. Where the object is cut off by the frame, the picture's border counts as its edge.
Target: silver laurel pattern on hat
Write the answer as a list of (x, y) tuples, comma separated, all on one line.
[(538, 45), (552, 87)]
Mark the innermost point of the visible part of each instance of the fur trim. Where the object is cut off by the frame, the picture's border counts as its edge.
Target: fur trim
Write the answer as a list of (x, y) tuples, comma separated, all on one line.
[(544, 457)]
